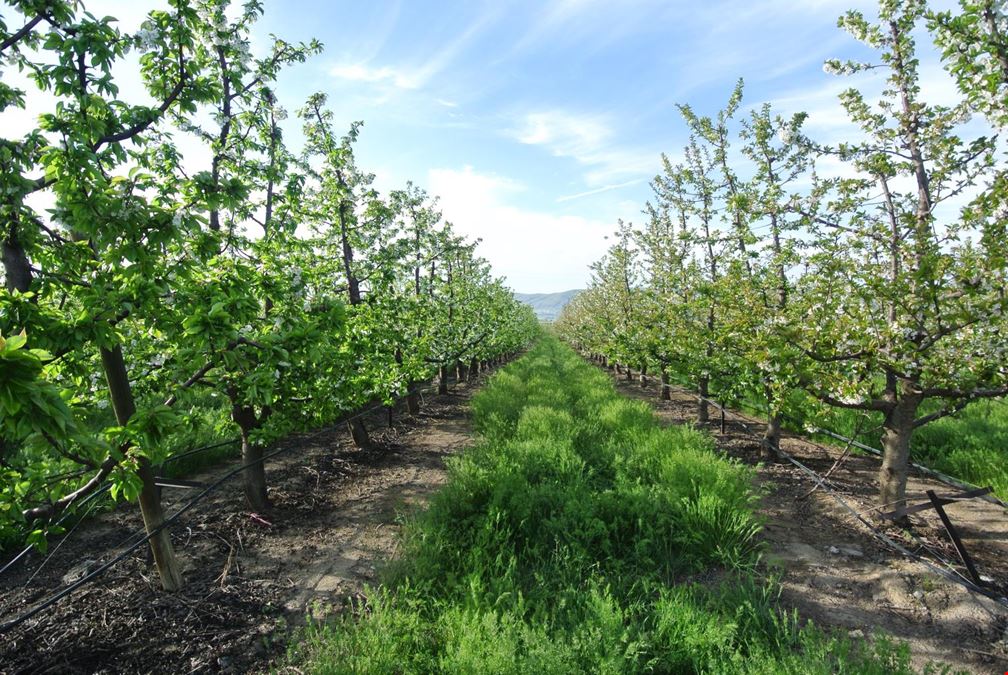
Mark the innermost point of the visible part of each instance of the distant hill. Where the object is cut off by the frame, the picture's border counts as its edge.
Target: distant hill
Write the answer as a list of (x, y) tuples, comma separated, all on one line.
[(547, 306)]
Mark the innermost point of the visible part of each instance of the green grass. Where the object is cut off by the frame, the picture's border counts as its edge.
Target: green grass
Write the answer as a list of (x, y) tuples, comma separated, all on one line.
[(972, 446), (565, 541)]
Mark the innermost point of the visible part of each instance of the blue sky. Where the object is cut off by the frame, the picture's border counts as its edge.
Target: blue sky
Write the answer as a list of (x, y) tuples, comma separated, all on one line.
[(541, 123)]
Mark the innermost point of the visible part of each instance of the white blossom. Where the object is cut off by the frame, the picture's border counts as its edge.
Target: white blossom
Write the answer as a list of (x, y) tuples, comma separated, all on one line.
[(147, 39)]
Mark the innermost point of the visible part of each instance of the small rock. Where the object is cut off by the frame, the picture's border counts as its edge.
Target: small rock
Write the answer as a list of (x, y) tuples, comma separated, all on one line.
[(919, 594), (856, 634), (852, 551), (78, 572), (834, 550)]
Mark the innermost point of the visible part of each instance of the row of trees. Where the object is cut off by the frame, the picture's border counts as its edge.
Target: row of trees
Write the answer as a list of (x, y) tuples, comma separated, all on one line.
[(880, 290), (274, 288)]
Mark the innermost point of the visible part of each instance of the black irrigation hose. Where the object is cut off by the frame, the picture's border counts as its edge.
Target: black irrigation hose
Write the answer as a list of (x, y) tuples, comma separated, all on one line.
[(7, 626), (196, 451), (105, 487), (66, 514), (950, 576), (62, 541), (938, 475), (169, 460)]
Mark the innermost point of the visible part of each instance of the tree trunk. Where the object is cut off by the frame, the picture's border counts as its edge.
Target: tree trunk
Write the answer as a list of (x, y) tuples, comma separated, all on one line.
[(629, 375), (666, 390), (473, 370), (254, 474), (643, 377), (617, 369), (150, 496), (359, 434), (412, 400), (459, 371), (17, 269), (770, 445), (703, 414), (896, 433), (442, 380), (153, 517)]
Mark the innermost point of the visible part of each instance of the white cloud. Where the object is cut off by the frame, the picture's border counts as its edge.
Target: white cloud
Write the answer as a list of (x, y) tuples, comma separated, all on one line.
[(359, 72), (534, 250), (423, 67), (588, 139), (565, 134), (596, 191)]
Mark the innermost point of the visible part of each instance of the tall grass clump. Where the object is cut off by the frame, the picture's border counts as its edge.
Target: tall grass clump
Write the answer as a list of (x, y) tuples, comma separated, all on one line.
[(573, 537)]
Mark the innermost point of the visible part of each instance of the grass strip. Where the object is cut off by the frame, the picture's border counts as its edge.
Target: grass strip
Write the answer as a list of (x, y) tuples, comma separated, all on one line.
[(578, 535)]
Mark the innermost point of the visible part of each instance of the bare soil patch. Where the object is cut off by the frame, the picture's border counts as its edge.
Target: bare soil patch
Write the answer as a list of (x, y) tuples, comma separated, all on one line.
[(250, 578), (835, 573)]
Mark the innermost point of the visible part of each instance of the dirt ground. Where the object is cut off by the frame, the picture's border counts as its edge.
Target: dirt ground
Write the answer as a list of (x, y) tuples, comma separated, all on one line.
[(250, 578), (835, 573)]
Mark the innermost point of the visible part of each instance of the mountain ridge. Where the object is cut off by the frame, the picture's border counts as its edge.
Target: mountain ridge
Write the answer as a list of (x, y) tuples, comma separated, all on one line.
[(547, 306)]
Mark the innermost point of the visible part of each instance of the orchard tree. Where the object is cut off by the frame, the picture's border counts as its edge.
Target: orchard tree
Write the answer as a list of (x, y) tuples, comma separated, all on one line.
[(691, 188), (80, 280), (781, 156), (246, 182), (905, 296), (974, 47), (331, 205), (670, 275), (616, 277)]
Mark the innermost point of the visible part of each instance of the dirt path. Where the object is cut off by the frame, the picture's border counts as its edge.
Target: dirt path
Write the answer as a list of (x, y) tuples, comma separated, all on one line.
[(836, 574), (250, 578)]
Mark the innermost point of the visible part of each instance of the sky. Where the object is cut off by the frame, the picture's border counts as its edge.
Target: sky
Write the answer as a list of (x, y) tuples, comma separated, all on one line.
[(540, 123)]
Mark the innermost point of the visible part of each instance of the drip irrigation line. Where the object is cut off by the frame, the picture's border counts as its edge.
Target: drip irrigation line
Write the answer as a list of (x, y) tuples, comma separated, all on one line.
[(62, 541), (944, 478), (938, 475), (141, 537), (139, 540), (196, 451), (65, 515), (952, 576)]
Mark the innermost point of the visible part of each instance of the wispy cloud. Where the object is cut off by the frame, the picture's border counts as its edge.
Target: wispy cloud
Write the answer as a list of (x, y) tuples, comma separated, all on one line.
[(422, 68), (574, 20), (598, 191), (588, 139), (360, 72), (565, 134)]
